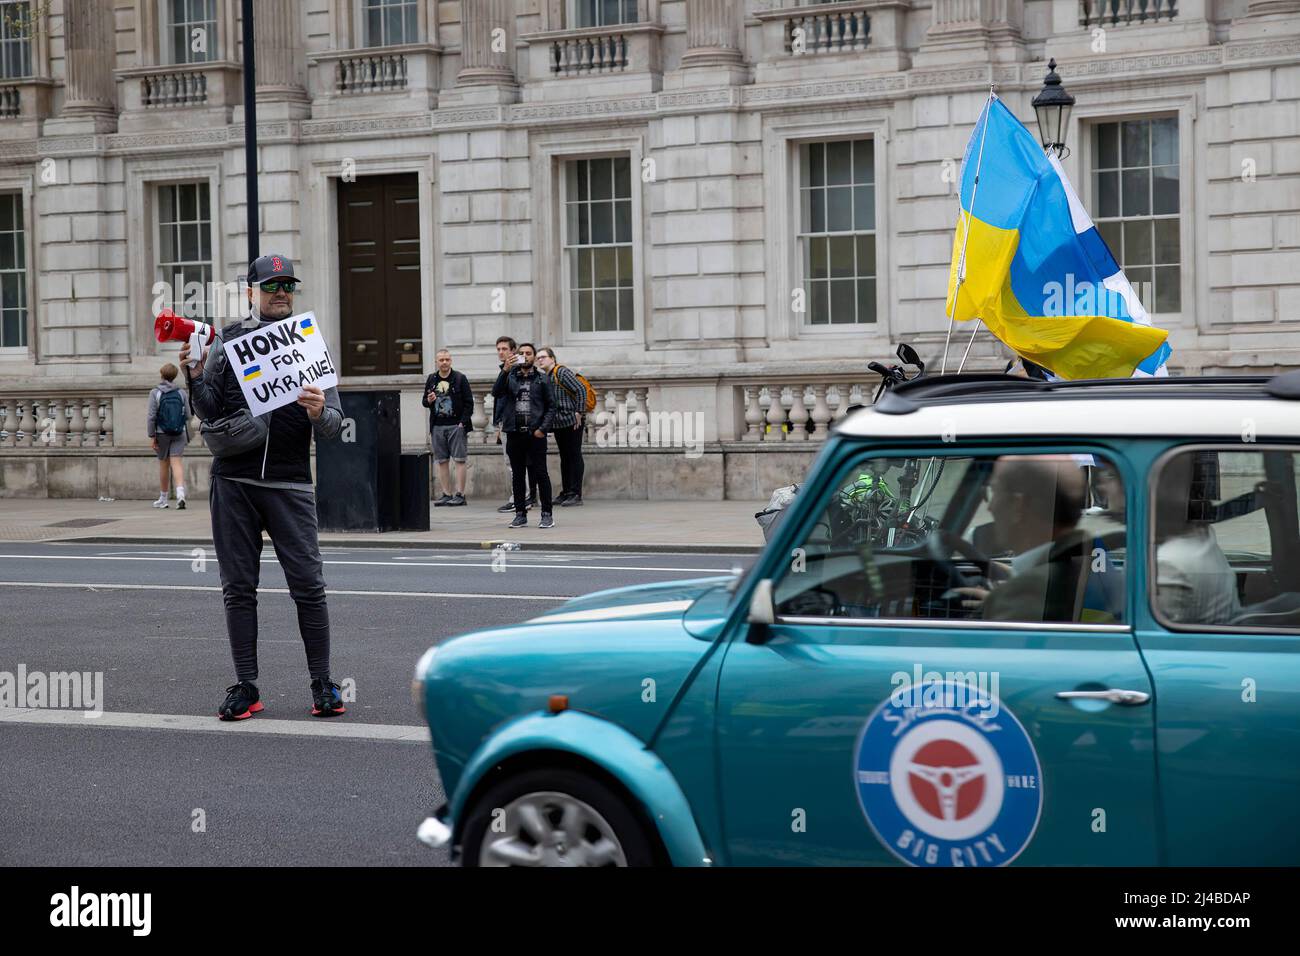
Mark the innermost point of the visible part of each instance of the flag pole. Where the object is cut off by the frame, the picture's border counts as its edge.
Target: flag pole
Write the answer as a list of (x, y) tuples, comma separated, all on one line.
[(961, 261)]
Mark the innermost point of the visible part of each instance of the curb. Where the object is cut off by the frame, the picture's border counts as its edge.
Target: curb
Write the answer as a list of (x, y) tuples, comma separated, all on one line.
[(361, 543)]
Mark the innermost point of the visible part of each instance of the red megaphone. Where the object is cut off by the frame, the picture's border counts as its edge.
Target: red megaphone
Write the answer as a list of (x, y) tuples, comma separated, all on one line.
[(170, 327)]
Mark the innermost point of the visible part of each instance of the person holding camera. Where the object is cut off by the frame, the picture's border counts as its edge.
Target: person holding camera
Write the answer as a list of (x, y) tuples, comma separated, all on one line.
[(450, 401), (526, 409), (261, 480)]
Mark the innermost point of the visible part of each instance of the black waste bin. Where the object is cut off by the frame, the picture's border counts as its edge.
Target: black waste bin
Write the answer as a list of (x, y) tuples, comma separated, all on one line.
[(415, 492), (358, 474)]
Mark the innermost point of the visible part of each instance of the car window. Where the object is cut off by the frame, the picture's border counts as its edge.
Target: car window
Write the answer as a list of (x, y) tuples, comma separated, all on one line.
[(1225, 542), (1027, 538)]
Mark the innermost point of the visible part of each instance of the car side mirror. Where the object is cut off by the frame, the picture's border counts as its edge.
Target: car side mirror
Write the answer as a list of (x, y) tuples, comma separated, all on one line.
[(762, 612)]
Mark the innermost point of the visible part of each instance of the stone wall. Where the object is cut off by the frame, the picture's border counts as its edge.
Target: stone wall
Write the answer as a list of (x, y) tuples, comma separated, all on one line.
[(710, 112)]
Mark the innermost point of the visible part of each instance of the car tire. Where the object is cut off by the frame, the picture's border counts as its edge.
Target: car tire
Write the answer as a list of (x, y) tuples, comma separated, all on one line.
[(543, 798)]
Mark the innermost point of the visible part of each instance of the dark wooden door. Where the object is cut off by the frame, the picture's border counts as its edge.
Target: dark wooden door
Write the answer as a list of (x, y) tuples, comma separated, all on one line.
[(379, 275)]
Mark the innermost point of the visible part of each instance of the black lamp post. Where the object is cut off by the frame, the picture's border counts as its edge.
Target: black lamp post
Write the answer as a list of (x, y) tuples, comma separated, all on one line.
[(250, 128), (1053, 105)]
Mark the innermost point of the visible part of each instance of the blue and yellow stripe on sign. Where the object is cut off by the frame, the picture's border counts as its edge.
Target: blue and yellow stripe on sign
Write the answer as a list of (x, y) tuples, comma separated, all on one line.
[(307, 326), (252, 372), (1036, 270)]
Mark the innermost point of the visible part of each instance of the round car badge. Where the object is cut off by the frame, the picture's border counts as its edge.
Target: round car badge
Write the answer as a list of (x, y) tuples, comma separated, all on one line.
[(947, 776)]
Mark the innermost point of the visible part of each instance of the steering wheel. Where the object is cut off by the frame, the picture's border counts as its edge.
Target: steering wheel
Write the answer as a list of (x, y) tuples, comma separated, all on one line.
[(941, 544)]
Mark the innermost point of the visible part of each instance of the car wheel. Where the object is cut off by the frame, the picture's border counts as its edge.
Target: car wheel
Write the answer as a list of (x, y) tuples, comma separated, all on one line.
[(553, 818)]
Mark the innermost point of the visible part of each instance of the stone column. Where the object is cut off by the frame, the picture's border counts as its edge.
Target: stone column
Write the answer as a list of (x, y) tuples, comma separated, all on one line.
[(486, 55), (712, 33), (277, 47), (91, 51)]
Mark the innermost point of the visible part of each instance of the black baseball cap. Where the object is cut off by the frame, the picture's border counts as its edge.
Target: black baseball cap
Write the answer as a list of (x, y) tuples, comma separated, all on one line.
[(274, 266)]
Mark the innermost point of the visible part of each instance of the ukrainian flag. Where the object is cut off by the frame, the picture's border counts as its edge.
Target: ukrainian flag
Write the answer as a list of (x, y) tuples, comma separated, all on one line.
[(252, 372), (1036, 270), (307, 326)]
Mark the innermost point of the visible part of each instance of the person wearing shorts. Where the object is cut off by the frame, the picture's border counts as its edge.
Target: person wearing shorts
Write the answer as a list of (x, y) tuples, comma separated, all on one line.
[(450, 402), (167, 423)]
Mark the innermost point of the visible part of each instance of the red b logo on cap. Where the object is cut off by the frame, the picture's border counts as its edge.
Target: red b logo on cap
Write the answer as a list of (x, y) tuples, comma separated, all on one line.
[(276, 264)]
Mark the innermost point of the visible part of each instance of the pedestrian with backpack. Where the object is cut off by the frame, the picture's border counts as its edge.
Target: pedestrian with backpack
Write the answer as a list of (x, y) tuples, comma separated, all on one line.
[(574, 400), (169, 432)]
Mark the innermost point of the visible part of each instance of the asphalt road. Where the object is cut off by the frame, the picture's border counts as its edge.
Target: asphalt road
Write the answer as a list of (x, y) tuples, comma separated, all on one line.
[(159, 781)]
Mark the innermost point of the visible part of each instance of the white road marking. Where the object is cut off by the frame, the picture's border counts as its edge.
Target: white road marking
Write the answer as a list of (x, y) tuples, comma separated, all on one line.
[(320, 727), (261, 590), (389, 564)]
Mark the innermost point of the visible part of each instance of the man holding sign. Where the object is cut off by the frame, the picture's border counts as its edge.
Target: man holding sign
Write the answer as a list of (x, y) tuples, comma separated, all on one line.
[(274, 366)]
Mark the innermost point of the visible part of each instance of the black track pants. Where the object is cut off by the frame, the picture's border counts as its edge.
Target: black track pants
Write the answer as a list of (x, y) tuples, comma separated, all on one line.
[(239, 513), (528, 462), (568, 441)]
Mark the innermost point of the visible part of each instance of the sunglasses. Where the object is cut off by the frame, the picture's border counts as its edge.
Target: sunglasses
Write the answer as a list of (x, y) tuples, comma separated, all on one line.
[(278, 285)]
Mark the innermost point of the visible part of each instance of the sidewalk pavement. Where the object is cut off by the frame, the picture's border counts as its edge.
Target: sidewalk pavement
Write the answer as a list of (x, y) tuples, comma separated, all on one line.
[(670, 526)]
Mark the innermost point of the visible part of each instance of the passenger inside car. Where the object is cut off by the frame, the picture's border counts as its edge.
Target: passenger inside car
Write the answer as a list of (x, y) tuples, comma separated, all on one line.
[(1194, 581)]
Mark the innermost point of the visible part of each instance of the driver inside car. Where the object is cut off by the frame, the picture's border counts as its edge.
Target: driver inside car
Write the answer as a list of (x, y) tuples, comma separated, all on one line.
[(1036, 503)]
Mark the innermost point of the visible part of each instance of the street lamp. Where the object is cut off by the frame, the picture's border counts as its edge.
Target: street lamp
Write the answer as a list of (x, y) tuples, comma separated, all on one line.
[(1053, 105)]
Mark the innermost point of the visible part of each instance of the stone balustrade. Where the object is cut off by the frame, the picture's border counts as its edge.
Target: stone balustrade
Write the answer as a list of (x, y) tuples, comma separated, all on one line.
[(370, 73), (585, 55), (55, 421), (827, 28), (177, 88), (798, 412), (1108, 13), (149, 90), (626, 55), (10, 102), (621, 418)]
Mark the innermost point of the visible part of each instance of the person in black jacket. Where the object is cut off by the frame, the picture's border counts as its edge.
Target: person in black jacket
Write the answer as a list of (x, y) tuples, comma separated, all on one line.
[(450, 402), (525, 409), (268, 488)]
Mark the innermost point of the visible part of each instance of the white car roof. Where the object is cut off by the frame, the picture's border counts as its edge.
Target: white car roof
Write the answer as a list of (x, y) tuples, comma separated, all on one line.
[(952, 409), (1235, 420)]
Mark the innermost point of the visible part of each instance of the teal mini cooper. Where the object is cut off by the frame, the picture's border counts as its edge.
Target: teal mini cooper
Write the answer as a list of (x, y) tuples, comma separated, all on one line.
[(1003, 620)]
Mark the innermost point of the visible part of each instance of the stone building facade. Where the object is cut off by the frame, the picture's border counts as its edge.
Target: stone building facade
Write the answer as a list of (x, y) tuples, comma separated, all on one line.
[(719, 210)]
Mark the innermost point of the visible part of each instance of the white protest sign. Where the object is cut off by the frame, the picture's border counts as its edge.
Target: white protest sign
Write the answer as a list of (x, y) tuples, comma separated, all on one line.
[(273, 363)]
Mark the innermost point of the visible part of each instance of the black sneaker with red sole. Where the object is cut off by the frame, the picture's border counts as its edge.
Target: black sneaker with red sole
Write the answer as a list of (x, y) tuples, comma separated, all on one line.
[(326, 699), (242, 701)]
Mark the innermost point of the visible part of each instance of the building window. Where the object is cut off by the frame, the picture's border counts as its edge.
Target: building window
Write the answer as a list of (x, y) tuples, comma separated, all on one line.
[(192, 30), (390, 22), (185, 248), (13, 272), (837, 232), (601, 13), (15, 39), (598, 244), (1135, 205)]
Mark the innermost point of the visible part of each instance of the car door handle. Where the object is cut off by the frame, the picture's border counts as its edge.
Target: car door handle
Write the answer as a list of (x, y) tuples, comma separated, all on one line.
[(1129, 698)]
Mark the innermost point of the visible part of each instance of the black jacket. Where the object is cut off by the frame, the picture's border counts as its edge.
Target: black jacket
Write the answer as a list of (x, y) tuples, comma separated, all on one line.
[(285, 455), (462, 401), (541, 401)]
